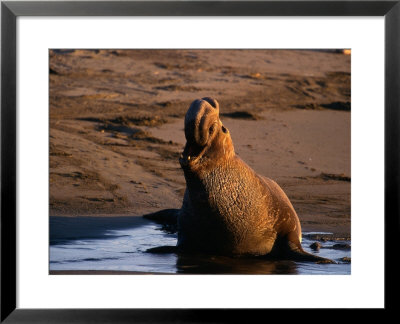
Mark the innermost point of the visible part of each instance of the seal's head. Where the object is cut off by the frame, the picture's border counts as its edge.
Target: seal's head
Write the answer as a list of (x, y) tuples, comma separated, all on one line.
[(207, 140)]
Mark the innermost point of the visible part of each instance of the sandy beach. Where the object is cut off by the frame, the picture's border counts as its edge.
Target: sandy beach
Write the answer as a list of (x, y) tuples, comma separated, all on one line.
[(116, 127)]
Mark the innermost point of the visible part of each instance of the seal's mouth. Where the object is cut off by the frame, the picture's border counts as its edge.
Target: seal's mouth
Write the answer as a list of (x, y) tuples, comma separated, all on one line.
[(192, 154), (193, 151)]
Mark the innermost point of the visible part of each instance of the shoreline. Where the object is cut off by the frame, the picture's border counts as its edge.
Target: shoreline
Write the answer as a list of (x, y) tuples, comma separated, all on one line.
[(80, 227)]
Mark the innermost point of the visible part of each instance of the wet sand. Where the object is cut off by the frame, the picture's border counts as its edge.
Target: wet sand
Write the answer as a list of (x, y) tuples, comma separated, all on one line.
[(116, 127)]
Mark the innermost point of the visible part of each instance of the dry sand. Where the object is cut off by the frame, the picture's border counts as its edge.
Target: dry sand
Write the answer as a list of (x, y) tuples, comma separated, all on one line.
[(116, 127)]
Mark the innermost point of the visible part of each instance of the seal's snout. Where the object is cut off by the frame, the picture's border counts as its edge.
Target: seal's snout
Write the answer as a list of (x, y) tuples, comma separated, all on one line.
[(213, 103), (201, 115), (201, 123)]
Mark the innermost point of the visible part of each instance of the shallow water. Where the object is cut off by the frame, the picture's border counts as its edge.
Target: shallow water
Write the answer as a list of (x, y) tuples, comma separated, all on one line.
[(120, 244)]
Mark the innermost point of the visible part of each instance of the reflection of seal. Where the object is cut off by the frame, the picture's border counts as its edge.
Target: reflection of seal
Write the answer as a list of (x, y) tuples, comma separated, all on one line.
[(228, 208)]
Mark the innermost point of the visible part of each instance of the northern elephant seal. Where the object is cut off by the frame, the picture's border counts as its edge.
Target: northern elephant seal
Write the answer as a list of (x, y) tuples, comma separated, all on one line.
[(228, 208)]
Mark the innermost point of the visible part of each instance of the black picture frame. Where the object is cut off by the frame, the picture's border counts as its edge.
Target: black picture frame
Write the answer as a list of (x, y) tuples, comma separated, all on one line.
[(10, 10)]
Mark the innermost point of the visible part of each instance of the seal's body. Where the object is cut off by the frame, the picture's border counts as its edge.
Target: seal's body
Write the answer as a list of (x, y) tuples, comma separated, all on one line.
[(227, 208)]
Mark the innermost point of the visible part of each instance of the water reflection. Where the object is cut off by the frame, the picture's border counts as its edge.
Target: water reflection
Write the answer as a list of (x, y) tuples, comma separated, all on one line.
[(205, 264)]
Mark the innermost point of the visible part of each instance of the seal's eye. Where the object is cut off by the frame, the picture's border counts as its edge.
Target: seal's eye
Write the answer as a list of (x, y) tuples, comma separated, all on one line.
[(224, 130)]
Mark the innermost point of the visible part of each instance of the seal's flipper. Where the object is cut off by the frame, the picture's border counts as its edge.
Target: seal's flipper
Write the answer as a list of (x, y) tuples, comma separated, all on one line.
[(301, 255), (296, 252), (164, 217)]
